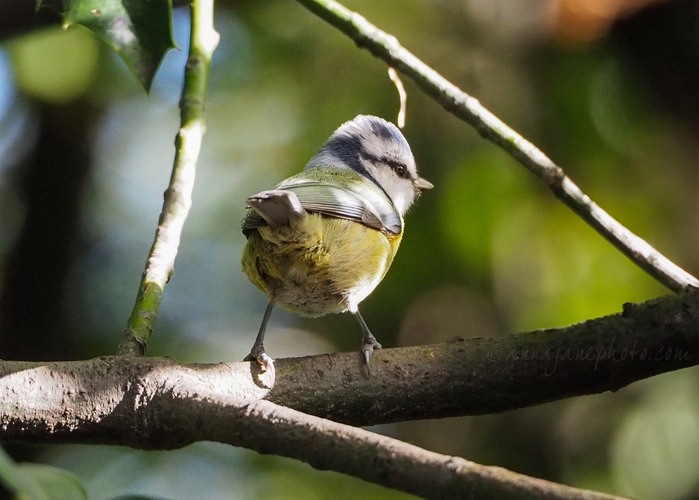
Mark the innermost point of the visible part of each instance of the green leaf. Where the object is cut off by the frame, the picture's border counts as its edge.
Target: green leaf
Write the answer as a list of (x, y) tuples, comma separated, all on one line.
[(140, 31), (14, 479), (38, 481), (58, 484)]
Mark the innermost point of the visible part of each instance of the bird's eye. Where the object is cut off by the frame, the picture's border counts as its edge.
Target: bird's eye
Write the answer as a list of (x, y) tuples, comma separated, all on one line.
[(400, 169)]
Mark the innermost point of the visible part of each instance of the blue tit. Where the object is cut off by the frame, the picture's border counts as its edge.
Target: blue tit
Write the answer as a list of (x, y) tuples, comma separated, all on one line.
[(322, 240)]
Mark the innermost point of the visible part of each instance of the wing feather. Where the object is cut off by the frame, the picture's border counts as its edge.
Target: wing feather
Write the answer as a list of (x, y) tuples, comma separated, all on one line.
[(337, 201), (332, 200)]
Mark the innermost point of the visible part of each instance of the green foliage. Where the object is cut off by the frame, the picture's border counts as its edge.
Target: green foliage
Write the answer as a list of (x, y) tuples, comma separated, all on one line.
[(140, 32), (42, 69), (30, 481), (473, 206)]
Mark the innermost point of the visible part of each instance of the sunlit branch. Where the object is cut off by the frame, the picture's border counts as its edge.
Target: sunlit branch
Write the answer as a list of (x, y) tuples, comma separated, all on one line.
[(157, 403), (178, 196), (461, 377), (159, 411), (386, 47)]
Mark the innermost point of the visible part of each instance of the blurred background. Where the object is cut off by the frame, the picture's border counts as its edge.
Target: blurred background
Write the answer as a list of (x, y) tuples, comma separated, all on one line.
[(609, 89)]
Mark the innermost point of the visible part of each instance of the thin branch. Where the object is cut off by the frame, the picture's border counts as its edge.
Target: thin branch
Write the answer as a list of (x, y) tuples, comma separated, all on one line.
[(402, 96), (387, 48), (158, 411), (46, 401), (178, 196)]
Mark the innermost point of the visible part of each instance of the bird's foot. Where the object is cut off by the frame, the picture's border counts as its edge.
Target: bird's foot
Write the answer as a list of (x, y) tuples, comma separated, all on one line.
[(266, 363), (369, 345)]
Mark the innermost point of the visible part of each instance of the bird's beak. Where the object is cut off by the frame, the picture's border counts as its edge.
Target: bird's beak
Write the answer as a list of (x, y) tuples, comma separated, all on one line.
[(423, 184)]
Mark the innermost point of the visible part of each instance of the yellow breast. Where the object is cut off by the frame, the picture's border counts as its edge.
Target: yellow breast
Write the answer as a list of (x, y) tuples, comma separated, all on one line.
[(318, 265)]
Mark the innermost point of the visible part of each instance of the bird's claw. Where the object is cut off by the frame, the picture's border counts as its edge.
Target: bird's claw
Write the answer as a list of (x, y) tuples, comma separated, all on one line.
[(368, 347), (266, 363)]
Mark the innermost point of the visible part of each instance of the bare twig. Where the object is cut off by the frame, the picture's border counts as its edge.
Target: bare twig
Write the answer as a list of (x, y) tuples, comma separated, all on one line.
[(386, 47), (402, 96), (178, 196)]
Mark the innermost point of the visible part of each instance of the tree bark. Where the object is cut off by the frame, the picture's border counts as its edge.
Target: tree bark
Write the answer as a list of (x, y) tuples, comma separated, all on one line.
[(108, 399)]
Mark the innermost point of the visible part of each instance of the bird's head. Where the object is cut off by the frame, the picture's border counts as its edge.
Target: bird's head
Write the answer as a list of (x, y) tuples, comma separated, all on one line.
[(377, 150)]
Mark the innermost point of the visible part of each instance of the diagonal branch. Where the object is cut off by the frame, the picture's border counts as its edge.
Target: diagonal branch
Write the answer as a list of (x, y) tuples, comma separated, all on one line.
[(326, 445), (178, 196), (159, 412), (463, 106)]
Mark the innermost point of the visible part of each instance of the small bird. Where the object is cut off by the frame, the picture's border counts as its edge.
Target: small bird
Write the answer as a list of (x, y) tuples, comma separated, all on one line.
[(322, 240)]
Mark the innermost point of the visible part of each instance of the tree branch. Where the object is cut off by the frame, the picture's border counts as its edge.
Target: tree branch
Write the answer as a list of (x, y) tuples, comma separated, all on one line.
[(491, 375), (160, 412), (178, 196), (156, 403), (54, 402), (463, 106)]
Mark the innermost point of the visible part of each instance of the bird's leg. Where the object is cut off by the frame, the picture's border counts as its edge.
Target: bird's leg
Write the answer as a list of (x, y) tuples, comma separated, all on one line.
[(257, 353), (369, 342)]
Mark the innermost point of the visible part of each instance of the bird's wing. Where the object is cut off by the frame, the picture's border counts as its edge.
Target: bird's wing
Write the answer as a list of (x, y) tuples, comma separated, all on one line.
[(338, 201), (332, 201), (276, 207)]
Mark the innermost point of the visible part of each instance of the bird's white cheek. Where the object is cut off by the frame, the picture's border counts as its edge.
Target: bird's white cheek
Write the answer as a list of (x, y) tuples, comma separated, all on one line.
[(402, 201)]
